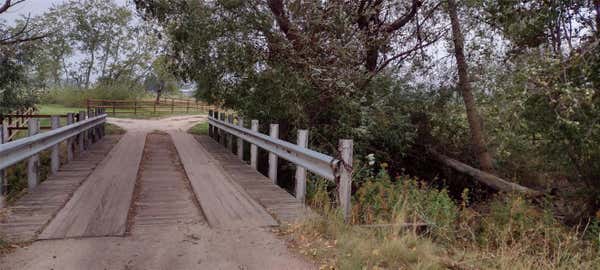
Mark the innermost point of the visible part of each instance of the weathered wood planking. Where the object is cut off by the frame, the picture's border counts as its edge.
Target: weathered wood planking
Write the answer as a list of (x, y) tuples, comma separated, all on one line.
[(163, 193), (100, 206), (225, 204), (284, 207), (22, 220)]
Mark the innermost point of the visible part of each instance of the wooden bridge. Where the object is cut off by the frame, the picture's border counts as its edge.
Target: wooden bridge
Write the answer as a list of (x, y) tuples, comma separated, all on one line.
[(157, 175)]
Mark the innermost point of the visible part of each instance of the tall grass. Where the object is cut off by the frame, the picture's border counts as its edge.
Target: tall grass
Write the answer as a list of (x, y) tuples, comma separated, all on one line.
[(506, 232)]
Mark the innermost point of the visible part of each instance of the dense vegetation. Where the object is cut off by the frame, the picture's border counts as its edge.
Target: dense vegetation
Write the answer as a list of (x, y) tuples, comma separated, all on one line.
[(510, 88)]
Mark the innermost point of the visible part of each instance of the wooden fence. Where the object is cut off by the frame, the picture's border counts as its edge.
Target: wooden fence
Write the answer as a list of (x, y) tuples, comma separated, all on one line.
[(18, 120), (164, 106)]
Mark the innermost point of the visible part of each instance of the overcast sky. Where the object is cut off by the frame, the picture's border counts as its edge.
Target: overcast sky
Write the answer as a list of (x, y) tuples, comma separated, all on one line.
[(35, 7)]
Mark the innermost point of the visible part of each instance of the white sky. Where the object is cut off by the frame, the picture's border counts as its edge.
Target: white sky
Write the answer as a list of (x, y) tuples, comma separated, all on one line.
[(36, 7)]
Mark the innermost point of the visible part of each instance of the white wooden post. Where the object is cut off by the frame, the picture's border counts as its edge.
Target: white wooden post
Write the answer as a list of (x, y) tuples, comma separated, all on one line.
[(301, 171), (230, 136), (70, 141), (345, 174), (240, 142), (273, 133), (253, 147), (54, 156), (82, 134), (33, 164), (3, 180)]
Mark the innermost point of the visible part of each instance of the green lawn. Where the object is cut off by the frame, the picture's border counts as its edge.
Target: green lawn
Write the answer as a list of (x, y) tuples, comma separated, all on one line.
[(54, 109), (199, 129)]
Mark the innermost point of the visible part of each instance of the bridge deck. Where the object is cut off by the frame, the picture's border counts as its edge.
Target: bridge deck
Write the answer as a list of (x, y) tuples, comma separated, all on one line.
[(27, 216), (176, 178), (100, 206), (278, 202)]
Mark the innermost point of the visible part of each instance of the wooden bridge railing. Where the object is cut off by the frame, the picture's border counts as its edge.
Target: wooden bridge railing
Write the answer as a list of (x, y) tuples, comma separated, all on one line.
[(81, 130), (170, 105), (339, 170)]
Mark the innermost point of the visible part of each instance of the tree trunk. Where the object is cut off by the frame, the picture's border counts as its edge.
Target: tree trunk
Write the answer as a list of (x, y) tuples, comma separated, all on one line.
[(477, 136), (597, 7), (89, 70), (488, 179)]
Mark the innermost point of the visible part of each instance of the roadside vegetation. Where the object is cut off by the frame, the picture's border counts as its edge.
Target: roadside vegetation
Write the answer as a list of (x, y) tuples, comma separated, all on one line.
[(406, 224), (199, 129)]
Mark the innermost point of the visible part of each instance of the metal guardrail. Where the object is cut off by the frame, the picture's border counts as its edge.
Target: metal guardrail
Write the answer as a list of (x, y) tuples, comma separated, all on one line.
[(19, 150), (337, 170), (313, 161)]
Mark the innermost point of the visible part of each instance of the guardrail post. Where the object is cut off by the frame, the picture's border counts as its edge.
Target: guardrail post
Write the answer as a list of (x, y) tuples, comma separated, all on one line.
[(240, 142), (103, 126), (33, 164), (254, 148), (345, 174), (92, 131), (273, 133), (230, 136), (3, 179), (222, 132), (81, 136), (54, 156), (210, 127), (70, 141), (301, 171), (98, 129)]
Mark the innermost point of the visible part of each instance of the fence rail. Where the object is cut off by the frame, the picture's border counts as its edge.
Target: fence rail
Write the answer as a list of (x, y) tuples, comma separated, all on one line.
[(81, 131), (223, 129), (135, 107)]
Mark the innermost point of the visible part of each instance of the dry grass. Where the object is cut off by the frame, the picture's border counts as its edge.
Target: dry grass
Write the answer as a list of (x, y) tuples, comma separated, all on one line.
[(509, 232)]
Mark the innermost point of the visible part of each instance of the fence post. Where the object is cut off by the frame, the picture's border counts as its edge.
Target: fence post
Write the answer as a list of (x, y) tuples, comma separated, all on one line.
[(54, 156), (33, 164), (230, 136), (301, 171), (253, 147), (187, 106), (273, 133), (70, 141), (210, 128), (114, 111), (81, 135), (172, 105), (345, 174), (135, 107), (3, 179), (240, 142)]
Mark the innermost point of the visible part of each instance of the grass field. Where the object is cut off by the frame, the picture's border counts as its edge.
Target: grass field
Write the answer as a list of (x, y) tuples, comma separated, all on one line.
[(199, 129)]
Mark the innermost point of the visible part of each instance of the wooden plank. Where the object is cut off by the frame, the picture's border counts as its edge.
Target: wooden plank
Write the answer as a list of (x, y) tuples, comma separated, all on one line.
[(282, 205), (163, 192), (39, 205), (224, 203), (101, 205)]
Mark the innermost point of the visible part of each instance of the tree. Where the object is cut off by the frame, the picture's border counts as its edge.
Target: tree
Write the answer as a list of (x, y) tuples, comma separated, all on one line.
[(13, 93), (464, 85)]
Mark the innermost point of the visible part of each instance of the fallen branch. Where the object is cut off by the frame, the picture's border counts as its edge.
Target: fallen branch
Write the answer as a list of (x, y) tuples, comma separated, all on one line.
[(488, 179)]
